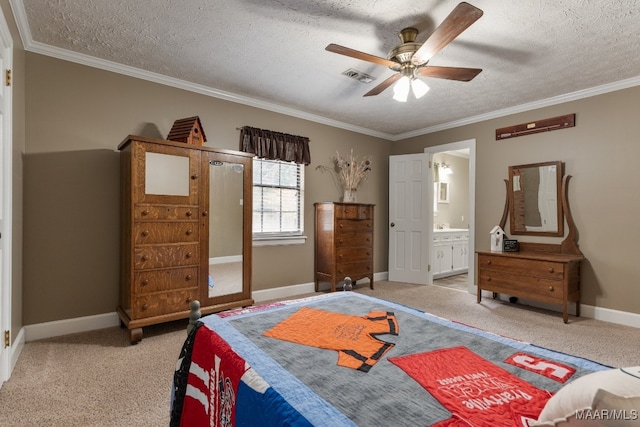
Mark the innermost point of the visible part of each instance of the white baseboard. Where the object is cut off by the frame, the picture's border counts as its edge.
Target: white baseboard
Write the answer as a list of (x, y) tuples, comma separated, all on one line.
[(293, 290), (100, 321), (70, 326)]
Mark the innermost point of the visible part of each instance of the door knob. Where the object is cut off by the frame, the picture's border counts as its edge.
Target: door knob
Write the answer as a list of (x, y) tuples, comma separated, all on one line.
[(393, 224)]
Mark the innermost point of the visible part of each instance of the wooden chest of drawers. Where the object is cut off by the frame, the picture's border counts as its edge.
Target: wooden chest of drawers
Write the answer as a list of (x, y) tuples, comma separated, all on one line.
[(343, 242), (547, 277)]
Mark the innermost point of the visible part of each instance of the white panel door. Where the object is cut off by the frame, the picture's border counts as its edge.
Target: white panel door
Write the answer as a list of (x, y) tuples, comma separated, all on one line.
[(5, 198), (410, 218)]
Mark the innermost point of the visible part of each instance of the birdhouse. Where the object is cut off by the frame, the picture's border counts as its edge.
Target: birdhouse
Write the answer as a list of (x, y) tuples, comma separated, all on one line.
[(497, 236), (188, 130)]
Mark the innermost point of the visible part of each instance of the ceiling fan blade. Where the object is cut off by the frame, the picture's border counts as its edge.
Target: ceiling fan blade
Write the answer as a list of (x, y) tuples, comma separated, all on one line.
[(360, 55), (450, 73), (385, 84), (458, 20)]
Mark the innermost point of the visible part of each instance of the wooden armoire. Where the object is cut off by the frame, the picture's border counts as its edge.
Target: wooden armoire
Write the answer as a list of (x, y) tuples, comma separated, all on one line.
[(185, 231)]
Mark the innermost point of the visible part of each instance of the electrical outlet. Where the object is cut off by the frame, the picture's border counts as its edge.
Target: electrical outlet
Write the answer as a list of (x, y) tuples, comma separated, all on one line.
[(462, 220)]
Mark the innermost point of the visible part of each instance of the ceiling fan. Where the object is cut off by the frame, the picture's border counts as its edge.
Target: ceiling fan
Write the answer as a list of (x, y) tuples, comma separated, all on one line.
[(410, 59)]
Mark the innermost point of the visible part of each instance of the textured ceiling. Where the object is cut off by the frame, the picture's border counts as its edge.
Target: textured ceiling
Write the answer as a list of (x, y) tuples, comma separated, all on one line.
[(272, 53)]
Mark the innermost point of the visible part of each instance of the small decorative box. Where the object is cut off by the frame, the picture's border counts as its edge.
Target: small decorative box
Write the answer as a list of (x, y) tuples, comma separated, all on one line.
[(510, 245)]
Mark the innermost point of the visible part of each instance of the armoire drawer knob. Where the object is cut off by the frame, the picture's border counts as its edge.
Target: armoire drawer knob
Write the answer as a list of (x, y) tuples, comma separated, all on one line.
[(550, 269), (194, 176), (145, 233), (144, 258), (189, 277), (188, 255), (205, 213), (551, 288), (188, 300), (145, 282), (488, 262), (145, 306), (189, 213), (488, 278), (189, 232), (145, 212)]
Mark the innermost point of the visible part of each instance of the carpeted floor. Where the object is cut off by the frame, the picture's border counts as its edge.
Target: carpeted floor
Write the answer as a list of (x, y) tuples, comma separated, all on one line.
[(97, 379)]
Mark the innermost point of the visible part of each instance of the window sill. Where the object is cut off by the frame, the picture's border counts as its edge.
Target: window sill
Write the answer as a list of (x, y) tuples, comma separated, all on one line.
[(279, 241)]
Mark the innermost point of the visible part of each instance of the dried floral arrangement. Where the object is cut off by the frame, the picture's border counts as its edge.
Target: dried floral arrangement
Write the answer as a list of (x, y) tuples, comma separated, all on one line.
[(348, 172)]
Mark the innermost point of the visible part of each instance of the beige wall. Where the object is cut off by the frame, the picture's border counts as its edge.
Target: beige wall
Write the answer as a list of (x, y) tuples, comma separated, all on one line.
[(601, 153), (68, 120), (77, 116)]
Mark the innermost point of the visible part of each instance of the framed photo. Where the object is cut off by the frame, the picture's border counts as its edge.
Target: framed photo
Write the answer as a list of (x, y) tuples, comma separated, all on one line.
[(443, 192)]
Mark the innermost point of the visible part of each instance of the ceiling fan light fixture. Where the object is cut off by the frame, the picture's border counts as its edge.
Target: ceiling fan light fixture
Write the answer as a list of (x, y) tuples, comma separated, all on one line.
[(419, 88), (401, 89)]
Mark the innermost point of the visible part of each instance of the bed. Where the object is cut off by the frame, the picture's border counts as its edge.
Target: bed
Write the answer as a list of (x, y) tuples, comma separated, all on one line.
[(261, 365)]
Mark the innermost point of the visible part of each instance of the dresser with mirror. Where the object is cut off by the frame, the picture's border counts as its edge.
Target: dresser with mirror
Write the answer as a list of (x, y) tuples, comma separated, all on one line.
[(537, 204), (185, 231)]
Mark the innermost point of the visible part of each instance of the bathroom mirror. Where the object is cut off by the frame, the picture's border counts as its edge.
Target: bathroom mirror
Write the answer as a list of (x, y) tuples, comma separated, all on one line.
[(226, 225), (534, 199)]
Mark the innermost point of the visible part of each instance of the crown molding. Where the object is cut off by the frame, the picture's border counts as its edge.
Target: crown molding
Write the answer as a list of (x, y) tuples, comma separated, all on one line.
[(29, 45)]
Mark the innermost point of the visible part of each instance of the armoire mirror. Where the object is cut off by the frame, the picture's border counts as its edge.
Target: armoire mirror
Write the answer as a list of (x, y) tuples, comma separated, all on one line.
[(226, 227), (535, 199)]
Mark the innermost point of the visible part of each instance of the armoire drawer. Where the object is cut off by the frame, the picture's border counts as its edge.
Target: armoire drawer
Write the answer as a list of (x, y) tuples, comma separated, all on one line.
[(165, 212), (146, 233), (528, 267), (146, 281), (163, 256), (163, 303), (355, 239), (354, 225)]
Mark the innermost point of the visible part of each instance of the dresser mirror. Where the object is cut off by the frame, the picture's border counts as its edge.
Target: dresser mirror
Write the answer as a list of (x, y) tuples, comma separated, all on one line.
[(534, 192), (226, 225)]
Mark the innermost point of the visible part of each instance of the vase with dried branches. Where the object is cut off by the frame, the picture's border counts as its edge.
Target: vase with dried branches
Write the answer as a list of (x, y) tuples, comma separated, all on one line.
[(348, 173)]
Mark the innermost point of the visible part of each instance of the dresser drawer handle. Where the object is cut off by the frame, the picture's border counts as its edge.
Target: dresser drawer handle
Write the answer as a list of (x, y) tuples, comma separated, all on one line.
[(144, 258), (340, 256), (189, 213), (145, 212), (188, 300), (340, 241), (145, 233), (205, 213), (189, 277), (194, 176), (488, 278), (551, 288), (189, 232), (341, 225), (550, 269), (188, 255), (340, 271), (368, 225), (488, 262), (145, 282), (144, 307)]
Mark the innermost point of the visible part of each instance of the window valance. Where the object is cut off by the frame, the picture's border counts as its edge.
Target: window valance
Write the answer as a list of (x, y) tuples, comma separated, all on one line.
[(266, 144)]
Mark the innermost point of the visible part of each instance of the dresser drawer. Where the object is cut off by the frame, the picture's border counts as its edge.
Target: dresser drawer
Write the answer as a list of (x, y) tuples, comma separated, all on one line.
[(147, 281), (353, 253), (162, 256), (511, 283), (166, 212), (353, 268), (356, 239), (353, 212), (526, 267), (354, 225), (165, 232), (163, 303)]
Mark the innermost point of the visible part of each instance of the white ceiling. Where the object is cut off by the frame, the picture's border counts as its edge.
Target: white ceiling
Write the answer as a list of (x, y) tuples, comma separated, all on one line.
[(271, 53)]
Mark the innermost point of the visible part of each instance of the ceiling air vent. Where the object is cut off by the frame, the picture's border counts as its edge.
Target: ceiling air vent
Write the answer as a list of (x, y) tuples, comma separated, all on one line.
[(358, 75)]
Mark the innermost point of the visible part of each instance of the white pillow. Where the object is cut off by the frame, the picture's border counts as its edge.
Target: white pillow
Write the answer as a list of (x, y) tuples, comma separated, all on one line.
[(605, 398)]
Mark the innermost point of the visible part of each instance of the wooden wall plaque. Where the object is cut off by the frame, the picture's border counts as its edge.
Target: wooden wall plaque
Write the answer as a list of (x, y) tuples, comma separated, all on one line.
[(544, 125)]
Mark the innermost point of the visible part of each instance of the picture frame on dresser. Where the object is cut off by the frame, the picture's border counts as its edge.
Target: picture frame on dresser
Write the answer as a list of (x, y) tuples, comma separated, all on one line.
[(543, 272)]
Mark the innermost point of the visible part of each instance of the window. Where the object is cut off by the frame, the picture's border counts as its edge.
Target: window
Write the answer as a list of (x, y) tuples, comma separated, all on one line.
[(278, 199)]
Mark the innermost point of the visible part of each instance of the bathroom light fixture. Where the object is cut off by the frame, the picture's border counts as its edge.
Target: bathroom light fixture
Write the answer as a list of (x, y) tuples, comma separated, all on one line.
[(444, 168)]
